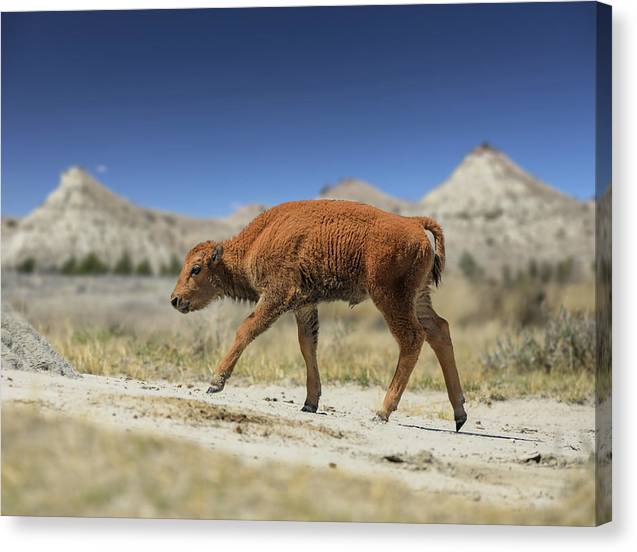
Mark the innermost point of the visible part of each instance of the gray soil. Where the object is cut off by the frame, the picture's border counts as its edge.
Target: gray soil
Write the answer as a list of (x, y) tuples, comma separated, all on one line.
[(516, 452)]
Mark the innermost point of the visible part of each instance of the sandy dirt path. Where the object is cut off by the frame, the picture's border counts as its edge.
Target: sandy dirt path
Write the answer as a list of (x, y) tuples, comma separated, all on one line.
[(516, 452)]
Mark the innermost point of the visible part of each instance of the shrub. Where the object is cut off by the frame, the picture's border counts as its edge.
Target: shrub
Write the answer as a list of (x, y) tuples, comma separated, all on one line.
[(91, 264), (69, 266), (27, 266), (569, 341), (507, 277), (567, 345), (470, 268), (494, 213), (124, 266), (528, 304), (144, 268), (564, 270), (546, 272)]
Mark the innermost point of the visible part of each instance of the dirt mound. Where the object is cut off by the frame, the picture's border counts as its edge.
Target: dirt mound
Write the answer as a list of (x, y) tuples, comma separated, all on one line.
[(25, 349)]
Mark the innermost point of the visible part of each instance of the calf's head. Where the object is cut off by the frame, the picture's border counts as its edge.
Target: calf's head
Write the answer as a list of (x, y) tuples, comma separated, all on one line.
[(198, 283)]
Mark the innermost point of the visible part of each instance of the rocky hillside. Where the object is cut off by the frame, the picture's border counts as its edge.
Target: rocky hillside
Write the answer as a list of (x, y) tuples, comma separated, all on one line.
[(244, 214), (359, 190), (8, 227), (81, 216), (489, 207), (501, 215)]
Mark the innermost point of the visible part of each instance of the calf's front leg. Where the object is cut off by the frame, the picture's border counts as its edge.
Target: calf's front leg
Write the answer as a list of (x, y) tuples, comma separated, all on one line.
[(308, 327), (264, 315)]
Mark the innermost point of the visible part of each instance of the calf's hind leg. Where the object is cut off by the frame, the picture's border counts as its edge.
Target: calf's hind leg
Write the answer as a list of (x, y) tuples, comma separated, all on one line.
[(308, 326), (438, 336), (409, 334)]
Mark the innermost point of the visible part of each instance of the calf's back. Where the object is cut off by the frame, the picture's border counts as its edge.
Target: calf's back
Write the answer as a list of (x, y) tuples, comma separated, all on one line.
[(331, 249)]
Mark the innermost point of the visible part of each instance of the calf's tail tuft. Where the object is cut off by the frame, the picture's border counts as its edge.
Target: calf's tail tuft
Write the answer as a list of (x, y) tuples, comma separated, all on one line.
[(439, 252)]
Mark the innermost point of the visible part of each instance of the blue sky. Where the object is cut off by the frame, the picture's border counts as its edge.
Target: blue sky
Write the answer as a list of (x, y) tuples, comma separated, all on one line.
[(196, 111)]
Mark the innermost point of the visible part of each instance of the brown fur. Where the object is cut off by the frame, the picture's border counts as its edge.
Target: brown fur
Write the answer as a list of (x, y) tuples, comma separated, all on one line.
[(298, 254)]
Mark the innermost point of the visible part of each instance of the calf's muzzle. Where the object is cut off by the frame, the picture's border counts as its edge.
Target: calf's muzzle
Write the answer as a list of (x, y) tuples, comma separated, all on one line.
[(179, 303)]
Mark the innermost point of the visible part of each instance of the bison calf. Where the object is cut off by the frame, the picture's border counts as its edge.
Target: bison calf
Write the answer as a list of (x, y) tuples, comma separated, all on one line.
[(298, 254)]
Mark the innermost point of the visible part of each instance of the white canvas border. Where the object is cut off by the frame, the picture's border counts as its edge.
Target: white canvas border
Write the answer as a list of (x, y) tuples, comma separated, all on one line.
[(52, 534)]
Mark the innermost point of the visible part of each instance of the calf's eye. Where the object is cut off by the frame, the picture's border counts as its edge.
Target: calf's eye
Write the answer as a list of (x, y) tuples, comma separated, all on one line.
[(195, 270)]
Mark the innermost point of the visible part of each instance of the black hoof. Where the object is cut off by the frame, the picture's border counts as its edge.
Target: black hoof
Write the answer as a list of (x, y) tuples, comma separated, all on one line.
[(380, 417), (460, 422), (215, 388), (309, 408)]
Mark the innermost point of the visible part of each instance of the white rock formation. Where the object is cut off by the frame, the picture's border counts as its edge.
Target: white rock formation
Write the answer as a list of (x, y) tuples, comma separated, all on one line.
[(489, 207), (81, 216), (359, 190), (502, 215)]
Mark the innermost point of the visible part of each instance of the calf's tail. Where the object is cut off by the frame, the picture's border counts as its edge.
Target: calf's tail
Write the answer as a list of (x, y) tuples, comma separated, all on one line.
[(439, 252)]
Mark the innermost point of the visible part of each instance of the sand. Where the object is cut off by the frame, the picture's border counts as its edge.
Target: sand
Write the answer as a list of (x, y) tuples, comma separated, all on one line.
[(516, 452)]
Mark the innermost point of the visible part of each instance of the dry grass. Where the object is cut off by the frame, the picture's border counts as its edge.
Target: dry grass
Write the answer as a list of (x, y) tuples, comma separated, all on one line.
[(124, 327), (345, 355), (64, 467)]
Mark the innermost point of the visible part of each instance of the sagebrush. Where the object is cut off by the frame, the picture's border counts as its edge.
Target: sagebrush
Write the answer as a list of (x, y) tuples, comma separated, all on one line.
[(567, 345)]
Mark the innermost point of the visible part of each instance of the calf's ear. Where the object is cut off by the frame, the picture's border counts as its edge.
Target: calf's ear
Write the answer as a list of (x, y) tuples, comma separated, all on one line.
[(216, 254)]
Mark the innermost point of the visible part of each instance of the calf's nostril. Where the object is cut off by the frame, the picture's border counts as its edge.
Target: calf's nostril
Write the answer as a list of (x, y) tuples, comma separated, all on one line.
[(174, 301)]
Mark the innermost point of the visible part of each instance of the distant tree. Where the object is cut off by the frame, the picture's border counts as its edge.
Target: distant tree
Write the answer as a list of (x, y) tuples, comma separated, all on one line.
[(470, 268), (144, 268), (507, 277), (564, 270), (27, 266), (69, 266), (91, 264), (546, 272), (533, 270), (171, 269), (124, 266)]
